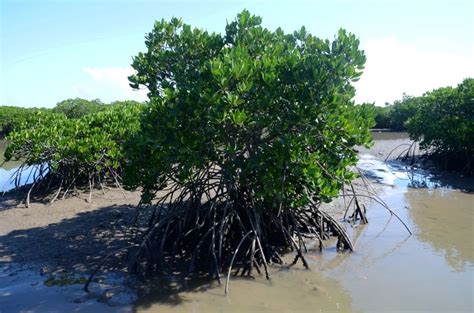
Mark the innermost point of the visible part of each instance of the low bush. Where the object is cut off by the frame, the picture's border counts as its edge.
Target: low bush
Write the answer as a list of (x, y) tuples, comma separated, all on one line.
[(87, 151), (444, 125), (13, 117)]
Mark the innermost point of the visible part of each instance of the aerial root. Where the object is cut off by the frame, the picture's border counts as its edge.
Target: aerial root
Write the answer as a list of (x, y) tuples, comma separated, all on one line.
[(44, 181), (358, 212), (216, 235)]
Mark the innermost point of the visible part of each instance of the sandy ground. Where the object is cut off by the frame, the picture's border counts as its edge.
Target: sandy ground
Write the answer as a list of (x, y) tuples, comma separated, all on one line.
[(75, 235)]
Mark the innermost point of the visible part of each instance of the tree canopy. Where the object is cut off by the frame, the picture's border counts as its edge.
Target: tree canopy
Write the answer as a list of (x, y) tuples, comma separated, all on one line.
[(76, 108)]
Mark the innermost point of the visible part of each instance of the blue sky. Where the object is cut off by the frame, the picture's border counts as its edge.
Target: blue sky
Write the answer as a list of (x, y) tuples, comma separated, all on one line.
[(53, 50)]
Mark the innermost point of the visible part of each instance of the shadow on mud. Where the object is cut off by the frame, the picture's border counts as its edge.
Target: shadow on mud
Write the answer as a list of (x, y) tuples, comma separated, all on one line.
[(77, 243)]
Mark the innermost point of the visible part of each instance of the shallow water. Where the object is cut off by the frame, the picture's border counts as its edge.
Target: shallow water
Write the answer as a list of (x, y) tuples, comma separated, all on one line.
[(8, 169), (429, 271), (390, 271), (290, 290)]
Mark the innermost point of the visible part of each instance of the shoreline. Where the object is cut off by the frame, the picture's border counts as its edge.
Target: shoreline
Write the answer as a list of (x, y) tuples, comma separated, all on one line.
[(73, 236)]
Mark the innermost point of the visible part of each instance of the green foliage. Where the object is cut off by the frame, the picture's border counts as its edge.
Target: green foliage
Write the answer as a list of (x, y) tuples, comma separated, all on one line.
[(401, 111), (444, 123), (86, 149), (382, 117), (264, 114), (372, 113), (269, 108), (127, 103), (12, 118), (393, 116), (76, 108)]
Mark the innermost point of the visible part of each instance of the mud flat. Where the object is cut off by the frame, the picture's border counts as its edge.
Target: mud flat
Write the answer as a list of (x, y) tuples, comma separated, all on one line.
[(46, 251), (387, 144), (390, 270)]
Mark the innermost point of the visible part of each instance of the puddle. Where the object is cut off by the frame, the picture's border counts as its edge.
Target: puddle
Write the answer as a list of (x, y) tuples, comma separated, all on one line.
[(24, 290)]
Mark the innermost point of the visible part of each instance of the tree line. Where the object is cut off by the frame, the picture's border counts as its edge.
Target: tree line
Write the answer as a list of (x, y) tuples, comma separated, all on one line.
[(12, 117), (395, 116), (441, 120)]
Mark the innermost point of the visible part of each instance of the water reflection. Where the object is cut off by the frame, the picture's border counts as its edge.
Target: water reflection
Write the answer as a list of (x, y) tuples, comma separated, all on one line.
[(7, 177), (440, 206), (415, 177), (437, 260), (392, 272), (9, 169)]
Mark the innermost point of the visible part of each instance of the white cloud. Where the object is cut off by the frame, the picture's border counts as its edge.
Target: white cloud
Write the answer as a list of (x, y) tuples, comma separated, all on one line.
[(393, 68), (108, 84)]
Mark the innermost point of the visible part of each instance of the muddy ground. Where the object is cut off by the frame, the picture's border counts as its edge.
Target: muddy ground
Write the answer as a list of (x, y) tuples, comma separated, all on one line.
[(75, 235), (72, 235)]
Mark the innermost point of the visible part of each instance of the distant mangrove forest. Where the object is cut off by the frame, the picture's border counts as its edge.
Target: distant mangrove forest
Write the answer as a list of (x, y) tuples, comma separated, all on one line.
[(441, 120)]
